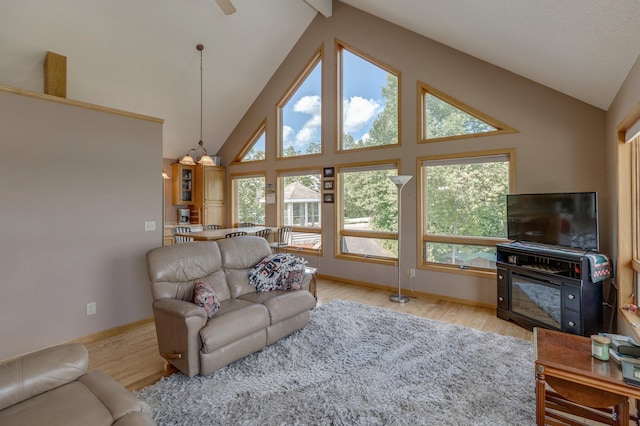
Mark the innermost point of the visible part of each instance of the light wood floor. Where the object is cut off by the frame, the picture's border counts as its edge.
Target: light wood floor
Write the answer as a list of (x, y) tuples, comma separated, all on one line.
[(130, 355)]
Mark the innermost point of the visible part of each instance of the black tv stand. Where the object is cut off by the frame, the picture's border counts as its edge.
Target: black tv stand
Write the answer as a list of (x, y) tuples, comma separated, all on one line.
[(548, 286)]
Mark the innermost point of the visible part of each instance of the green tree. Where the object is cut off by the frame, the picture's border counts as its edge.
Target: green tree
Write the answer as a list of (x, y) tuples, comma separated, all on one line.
[(384, 130), (251, 199), (254, 155), (443, 119), (465, 200)]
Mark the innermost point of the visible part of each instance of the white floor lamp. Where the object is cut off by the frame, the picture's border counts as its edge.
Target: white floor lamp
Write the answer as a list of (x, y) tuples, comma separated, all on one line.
[(399, 181)]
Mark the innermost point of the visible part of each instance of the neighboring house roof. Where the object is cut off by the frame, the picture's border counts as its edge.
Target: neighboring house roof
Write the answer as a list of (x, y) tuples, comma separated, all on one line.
[(297, 192)]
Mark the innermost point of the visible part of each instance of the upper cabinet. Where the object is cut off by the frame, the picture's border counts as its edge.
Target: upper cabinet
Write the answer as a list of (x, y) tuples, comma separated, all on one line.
[(182, 184)]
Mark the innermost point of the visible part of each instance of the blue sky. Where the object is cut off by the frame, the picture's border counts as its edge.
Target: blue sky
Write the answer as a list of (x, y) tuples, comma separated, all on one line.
[(362, 92)]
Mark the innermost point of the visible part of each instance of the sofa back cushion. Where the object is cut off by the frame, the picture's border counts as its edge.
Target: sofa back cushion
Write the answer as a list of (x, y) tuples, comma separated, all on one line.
[(174, 269), (239, 255), (38, 372)]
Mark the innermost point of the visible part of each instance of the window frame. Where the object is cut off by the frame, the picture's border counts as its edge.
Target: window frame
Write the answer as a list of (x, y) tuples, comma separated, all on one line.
[(234, 193), (340, 46), (281, 174), (424, 238), (316, 58), (424, 89), (340, 232), (627, 277)]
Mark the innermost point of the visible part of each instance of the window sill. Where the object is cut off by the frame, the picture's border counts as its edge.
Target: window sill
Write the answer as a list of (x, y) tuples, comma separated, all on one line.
[(451, 269)]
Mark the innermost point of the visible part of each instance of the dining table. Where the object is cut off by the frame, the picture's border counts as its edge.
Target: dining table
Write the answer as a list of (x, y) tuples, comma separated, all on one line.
[(218, 234)]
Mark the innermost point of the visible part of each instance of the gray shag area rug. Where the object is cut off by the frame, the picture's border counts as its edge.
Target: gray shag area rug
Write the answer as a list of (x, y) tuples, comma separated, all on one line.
[(355, 364)]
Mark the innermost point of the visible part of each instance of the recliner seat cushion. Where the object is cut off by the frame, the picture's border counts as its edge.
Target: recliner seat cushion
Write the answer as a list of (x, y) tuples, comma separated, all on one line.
[(68, 405), (235, 319), (282, 304)]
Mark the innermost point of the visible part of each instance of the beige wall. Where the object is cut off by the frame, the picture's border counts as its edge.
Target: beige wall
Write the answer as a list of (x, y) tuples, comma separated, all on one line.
[(560, 145), (77, 186)]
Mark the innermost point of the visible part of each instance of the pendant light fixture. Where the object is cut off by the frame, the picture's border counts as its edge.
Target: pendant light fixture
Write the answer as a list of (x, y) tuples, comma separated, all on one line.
[(204, 159)]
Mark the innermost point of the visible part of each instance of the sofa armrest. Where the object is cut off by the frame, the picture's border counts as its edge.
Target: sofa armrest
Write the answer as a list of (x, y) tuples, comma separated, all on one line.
[(178, 325), (117, 399), (29, 375), (180, 309)]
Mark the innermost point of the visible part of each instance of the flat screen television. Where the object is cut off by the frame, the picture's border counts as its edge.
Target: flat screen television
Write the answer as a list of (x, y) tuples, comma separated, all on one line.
[(568, 219)]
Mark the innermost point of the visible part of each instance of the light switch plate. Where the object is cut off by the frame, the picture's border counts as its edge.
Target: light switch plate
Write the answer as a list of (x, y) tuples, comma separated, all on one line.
[(150, 225)]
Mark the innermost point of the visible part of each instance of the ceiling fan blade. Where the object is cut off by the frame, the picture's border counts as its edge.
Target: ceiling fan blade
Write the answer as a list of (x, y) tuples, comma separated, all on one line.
[(226, 6)]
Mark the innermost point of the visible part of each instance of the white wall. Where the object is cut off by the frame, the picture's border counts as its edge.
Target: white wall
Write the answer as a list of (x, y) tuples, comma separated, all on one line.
[(77, 186)]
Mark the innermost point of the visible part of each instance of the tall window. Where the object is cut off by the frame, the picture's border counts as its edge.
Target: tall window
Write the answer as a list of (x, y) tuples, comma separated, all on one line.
[(628, 272), (369, 107), (368, 212), (249, 199), (300, 113), (300, 207), (463, 203), (445, 118)]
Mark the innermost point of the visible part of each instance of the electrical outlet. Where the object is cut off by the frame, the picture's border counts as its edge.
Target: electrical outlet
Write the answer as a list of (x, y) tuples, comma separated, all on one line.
[(91, 308), (150, 225), (412, 273), (407, 272)]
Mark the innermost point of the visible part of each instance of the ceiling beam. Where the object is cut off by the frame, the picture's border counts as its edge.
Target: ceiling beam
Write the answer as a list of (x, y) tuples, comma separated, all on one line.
[(323, 6)]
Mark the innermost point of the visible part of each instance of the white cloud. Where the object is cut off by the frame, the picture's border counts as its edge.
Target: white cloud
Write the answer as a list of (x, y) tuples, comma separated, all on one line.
[(357, 112), (311, 105), (308, 105), (287, 134)]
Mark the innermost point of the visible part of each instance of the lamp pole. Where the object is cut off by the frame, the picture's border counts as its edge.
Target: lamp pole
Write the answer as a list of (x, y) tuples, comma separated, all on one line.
[(399, 181)]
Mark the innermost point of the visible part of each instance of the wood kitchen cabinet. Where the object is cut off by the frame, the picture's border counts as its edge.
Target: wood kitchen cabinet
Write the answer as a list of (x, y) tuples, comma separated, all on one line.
[(209, 195)]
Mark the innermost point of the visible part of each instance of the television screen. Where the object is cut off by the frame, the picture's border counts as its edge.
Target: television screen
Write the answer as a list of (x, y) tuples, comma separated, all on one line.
[(563, 219)]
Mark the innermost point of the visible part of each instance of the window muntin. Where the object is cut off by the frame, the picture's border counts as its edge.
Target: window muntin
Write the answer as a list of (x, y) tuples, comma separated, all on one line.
[(369, 106), (249, 199), (300, 114), (300, 207), (443, 118), (464, 209), (368, 212)]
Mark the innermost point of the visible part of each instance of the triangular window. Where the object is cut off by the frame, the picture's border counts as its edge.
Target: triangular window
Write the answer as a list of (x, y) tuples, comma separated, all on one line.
[(255, 148), (446, 118)]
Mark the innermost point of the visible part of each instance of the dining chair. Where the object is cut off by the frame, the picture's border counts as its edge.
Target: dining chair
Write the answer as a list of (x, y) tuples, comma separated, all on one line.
[(282, 240), (212, 227), (245, 225), (181, 230), (264, 233), (235, 234)]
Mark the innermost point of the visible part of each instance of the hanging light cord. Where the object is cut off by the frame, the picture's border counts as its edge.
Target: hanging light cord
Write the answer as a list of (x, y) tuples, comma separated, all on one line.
[(200, 47)]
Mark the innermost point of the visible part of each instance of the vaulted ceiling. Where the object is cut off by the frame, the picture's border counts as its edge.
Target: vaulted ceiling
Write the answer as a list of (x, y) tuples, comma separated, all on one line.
[(141, 55)]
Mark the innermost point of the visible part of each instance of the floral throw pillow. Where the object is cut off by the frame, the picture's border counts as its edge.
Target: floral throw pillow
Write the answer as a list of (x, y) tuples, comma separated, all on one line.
[(205, 297), (280, 271)]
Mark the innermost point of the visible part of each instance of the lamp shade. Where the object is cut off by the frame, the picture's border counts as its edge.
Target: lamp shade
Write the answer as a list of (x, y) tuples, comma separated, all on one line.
[(400, 180), (187, 160), (205, 160)]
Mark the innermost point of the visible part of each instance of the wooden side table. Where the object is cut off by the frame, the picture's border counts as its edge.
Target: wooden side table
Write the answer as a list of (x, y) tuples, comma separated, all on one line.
[(581, 385)]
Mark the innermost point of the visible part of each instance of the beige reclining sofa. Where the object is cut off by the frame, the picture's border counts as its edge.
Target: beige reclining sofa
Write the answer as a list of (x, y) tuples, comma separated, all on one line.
[(247, 320), (52, 387)]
